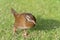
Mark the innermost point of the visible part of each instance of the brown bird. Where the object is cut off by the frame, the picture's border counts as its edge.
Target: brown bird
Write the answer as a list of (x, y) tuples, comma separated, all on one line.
[(23, 21)]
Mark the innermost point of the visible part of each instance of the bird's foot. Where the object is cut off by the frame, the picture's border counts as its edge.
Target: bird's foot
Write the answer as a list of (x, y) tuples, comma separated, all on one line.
[(25, 35)]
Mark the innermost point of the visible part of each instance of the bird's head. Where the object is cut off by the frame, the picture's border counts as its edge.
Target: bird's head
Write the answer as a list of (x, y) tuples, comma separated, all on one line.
[(30, 19)]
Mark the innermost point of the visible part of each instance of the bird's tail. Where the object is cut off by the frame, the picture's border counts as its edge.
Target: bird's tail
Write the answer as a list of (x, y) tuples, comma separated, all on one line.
[(13, 11)]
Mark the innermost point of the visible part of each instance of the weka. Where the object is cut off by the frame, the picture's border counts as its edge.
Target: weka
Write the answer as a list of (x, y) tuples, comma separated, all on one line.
[(23, 21)]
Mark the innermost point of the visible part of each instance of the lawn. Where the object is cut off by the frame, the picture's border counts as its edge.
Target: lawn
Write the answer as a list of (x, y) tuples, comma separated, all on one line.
[(47, 13)]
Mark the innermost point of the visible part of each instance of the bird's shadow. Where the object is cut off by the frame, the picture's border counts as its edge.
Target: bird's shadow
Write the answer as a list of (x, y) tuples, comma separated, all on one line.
[(46, 24)]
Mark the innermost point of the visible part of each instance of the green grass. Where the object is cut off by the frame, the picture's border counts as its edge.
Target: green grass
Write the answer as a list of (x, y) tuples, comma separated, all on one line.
[(47, 13)]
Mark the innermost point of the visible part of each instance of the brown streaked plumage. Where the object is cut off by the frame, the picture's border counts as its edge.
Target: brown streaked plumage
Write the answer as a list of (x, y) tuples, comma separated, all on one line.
[(23, 21)]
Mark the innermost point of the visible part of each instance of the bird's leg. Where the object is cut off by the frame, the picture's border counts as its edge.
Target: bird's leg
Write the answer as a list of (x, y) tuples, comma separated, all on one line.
[(14, 30), (25, 34)]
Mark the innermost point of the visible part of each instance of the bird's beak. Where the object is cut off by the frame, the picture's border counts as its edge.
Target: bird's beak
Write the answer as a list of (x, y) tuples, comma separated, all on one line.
[(33, 21)]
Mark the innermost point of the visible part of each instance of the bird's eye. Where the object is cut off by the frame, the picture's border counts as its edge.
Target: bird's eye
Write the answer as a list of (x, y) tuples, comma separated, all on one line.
[(28, 17)]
